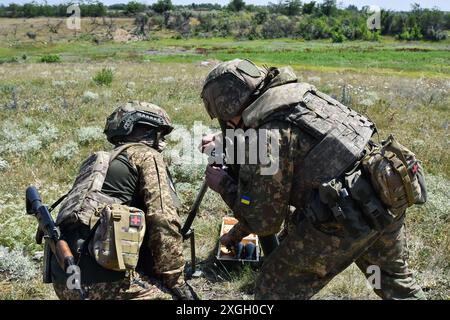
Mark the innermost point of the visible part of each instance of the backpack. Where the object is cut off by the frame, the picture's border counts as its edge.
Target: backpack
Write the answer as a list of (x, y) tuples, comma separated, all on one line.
[(85, 197), (117, 230)]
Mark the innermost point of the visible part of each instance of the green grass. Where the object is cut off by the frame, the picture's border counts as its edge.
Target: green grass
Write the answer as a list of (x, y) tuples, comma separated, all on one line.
[(104, 77), (50, 58), (425, 58)]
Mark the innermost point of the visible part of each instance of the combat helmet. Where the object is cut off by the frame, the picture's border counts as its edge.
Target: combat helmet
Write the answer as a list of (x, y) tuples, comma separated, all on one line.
[(122, 121), (229, 87)]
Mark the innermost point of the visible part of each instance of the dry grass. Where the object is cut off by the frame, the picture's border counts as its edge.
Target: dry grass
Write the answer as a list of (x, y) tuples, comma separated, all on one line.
[(56, 97)]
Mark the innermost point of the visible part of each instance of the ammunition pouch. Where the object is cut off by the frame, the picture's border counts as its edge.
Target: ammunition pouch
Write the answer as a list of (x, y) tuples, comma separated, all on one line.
[(352, 202), (373, 210), (333, 197)]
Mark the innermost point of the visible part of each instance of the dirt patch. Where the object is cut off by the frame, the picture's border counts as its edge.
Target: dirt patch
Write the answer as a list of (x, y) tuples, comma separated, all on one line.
[(122, 35), (413, 49)]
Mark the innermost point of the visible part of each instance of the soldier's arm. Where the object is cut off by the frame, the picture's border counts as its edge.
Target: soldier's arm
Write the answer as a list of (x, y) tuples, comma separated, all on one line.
[(261, 202), (163, 222)]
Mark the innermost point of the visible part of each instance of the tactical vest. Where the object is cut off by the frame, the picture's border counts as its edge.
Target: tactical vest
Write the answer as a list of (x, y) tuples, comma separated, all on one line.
[(339, 133), (84, 198)]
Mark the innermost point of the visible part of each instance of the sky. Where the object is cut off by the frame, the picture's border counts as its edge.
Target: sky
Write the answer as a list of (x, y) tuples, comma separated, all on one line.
[(403, 5)]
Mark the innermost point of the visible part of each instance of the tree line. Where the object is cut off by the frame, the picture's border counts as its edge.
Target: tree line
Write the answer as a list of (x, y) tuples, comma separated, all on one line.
[(285, 18)]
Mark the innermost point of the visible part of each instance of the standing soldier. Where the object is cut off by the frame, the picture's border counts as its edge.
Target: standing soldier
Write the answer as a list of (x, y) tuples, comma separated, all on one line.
[(329, 170), (137, 181)]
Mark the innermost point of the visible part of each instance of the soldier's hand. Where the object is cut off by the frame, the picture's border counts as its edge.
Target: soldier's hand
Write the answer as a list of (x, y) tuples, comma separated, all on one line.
[(214, 177), (208, 143)]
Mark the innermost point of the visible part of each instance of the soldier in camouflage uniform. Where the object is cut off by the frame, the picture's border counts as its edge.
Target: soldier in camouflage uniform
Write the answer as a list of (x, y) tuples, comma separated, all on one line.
[(320, 244), (138, 177)]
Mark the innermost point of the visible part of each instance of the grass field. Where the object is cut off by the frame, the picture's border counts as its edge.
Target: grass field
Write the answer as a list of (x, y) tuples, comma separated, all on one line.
[(52, 115)]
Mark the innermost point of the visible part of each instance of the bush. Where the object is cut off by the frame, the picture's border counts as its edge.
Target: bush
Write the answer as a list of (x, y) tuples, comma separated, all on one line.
[(277, 27), (372, 36), (104, 77), (337, 37), (9, 60), (412, 34), (435, 35), (66, 152), (87, 134), (16, 266), (50, 58)]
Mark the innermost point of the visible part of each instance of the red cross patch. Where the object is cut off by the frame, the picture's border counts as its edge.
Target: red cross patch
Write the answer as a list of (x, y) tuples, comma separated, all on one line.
[(135, 220)]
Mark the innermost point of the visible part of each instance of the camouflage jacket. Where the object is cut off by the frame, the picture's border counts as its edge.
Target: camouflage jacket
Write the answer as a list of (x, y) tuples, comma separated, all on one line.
[(138, 177), (318, 139), (261, 202)]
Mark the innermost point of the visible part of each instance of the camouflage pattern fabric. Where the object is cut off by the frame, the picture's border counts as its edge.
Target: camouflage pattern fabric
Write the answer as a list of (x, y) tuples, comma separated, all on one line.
[(162, 219), (309, 258), (164, 241), (121, 122), (229, 86), (140, 289)]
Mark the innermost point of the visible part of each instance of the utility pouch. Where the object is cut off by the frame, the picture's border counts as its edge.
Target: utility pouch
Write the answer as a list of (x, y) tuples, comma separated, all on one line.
[(396, 176), (316, 211), (118, 236), (344, 208), (362, 192)]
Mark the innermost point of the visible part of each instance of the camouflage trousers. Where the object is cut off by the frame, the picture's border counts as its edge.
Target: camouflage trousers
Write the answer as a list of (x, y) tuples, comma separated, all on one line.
[(308, 258), (138, 289)]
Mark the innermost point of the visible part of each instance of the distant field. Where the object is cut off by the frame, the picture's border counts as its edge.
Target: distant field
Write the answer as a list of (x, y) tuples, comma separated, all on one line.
[(52, 117), (388, 56)]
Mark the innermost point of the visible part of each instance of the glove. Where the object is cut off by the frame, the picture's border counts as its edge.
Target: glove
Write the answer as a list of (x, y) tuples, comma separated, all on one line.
[(184, 292), (214, 177)]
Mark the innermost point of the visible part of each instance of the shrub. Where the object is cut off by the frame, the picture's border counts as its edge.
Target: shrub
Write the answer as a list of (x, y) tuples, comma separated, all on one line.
[(435, 35), (50, 58), (337, 37), (16, 266), (66, 152), (277, 27), (4, 165), (412, 34), (87, 134), (372, 36), (89, 96), (47, 133), (9, 60), (104, 77)]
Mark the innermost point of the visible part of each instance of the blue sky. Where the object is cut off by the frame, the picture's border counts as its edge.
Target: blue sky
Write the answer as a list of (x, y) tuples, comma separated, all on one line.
[(386, 4)]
